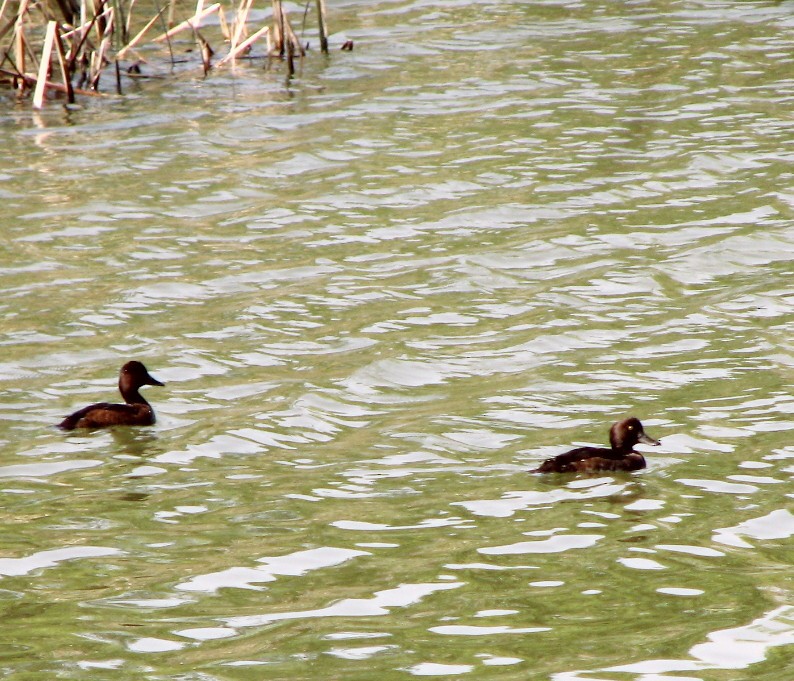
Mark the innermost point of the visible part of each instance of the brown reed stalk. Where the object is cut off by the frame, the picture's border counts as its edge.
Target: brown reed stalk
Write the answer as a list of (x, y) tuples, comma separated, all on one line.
[(19, 42), (278, 27), (9, 23), (291, 38), (103, 20), (322, 25), (76, 51), (98, 56), (171, 14), (101, 23), (205, 50), (290, 42), (30, 82), (65, 73)]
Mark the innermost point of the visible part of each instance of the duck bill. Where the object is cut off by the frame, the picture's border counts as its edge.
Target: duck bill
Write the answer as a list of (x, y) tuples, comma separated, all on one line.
[(648, 440), (151, 380)]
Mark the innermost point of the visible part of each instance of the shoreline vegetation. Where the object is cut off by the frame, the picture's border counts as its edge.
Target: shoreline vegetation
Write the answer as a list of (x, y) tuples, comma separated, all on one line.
[(60, 49)]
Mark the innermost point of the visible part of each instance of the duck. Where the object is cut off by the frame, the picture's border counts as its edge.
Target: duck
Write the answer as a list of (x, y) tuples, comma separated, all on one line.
[(136, 412), (623, 435)]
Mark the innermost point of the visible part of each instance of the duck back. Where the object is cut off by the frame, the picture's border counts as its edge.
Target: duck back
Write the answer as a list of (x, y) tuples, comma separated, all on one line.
[(105, 414), (590, 459)]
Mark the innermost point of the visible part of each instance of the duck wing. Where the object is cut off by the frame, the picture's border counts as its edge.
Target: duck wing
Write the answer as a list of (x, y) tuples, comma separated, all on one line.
[(566, 463)]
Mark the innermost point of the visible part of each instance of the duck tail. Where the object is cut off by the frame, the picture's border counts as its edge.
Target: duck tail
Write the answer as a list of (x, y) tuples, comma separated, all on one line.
[(69, 423)]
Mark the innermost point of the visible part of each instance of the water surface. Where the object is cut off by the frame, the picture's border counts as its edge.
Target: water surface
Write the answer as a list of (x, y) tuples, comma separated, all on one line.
[(379, 295)]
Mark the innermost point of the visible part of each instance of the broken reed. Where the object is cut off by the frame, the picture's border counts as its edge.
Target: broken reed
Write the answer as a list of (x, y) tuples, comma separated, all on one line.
[(82, 37)]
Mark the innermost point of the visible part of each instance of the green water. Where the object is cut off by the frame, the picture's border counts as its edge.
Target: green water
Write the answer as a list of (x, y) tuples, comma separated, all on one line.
[(379, 295)]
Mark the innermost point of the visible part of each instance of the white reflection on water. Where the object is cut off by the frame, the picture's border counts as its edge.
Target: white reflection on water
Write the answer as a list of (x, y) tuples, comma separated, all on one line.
[(206, 633), (557, 544), (677, 591), (517, 501), (488, 566), (692, 550), (775, 525), (293, 564), (42, 470), (47, 559), (729, 648), (154, 645), (436, 669), (362, 653), (718, 486), (381, 527), (398, 597), (735, 648), (641, 564), (468, 630)]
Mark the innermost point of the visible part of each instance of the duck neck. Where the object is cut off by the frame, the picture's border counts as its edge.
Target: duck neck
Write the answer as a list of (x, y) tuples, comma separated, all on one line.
[(131, 395), (619, 445)]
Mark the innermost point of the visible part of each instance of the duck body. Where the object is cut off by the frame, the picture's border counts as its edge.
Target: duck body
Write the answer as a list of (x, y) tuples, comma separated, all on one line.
[(135, 411), (623, 435)]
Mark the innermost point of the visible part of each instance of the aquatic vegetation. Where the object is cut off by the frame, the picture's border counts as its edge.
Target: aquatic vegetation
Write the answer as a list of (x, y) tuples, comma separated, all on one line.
[(63, 48)]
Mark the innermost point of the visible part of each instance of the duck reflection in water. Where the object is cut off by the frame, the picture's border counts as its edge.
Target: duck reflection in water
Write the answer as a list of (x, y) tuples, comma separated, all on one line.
[(621, 456), (136, 412)]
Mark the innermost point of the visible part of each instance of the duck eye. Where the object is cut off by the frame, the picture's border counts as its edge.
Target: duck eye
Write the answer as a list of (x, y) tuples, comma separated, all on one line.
[(631, 427)]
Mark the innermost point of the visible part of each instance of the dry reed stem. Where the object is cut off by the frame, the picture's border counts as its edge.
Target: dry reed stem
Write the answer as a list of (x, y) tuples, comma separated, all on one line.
[(205, 50), (98, 59), (128, 25), (44, 65), (30, 81), (239, 23), (292, 39), (171, 13), (322, 25), (278, 26), (82, 29), (192, 23), (233, 54), (100, 12), (67, 81), (225, 31), (19, 41), (9, 24), (141, 33), (89, 49)]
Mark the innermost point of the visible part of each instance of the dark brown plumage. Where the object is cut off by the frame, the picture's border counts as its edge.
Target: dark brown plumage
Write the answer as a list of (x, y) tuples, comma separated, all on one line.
[(136, 412), (623, 435)]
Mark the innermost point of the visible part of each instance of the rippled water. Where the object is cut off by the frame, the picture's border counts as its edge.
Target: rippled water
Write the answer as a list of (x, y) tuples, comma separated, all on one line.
[(379, 295)]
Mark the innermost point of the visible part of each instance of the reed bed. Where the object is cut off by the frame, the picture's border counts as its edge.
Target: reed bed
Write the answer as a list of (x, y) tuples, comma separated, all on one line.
[(61, 49)]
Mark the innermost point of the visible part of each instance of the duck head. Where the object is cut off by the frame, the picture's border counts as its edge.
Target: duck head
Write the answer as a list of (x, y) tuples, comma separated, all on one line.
[(133, 375), (624, 434)]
